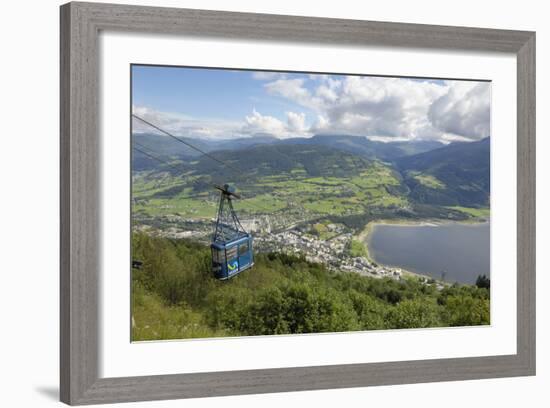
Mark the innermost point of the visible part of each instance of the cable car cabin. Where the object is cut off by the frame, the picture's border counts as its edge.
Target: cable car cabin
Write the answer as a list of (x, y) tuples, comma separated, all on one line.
[(231, 245), (233, 257)]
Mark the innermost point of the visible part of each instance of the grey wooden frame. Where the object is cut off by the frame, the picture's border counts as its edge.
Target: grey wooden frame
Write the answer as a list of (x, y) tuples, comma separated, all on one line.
[(80, 234)]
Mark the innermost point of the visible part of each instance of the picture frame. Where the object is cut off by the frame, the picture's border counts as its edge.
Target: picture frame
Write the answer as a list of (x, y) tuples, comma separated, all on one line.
[(80, 233)]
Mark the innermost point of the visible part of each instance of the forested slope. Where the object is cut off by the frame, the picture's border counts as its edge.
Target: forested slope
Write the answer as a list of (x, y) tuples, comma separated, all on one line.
[(174, 296)]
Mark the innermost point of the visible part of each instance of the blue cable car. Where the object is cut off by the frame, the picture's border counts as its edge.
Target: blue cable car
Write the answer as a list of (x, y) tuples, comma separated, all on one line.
[(231, 245)]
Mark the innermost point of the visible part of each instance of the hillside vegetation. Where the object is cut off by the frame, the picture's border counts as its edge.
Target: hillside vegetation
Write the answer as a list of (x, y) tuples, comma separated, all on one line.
[(174, 296)]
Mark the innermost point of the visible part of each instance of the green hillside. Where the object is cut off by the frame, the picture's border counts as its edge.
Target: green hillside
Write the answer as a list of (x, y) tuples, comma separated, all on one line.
[(454, 175), (174, 296), (450, 182), (306, 180), (269, 160)]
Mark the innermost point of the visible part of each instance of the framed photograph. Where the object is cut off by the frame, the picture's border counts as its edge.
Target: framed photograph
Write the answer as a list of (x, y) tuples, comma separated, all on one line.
[(261, 203)]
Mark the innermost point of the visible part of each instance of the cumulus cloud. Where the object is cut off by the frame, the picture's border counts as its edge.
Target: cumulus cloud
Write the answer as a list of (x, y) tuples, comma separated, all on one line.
[(296, 122), (293, 89), (391, 108), (321, 125), (464, 111), (256, 123)]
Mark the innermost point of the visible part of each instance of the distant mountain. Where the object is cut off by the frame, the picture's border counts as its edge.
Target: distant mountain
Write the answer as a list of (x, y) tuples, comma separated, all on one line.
[(361, 145), (243, 142), (457, 174), (275, 159), (165, 147)]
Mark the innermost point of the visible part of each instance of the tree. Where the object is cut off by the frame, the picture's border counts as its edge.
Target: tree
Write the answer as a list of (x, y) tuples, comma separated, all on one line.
[(483, 281), (467, 311), (370, 311), (266, 315), (414, 314)]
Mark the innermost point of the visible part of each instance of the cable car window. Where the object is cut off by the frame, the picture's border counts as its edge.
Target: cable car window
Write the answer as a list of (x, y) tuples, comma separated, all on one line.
[(243, 248), (218, 256), (232, 253)]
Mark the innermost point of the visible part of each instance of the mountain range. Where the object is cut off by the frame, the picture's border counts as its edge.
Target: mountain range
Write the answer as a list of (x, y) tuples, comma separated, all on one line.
[(457, 174), (359, 145)]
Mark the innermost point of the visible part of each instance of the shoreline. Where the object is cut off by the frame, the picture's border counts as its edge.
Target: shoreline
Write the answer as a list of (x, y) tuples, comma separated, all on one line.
[(363, 237)]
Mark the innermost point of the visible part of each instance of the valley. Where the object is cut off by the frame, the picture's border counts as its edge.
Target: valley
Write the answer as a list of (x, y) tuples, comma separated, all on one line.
[(310, 197)]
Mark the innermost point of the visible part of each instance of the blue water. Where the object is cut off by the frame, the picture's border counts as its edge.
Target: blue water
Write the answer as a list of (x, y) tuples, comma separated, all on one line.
[(459, 251)]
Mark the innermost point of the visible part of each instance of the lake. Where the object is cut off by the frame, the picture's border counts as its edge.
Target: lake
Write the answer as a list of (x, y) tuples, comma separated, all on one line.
[(461, 251)]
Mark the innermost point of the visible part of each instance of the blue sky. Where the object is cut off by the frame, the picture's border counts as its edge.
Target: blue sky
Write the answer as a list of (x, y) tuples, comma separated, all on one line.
[(205, 93), (220, 103)]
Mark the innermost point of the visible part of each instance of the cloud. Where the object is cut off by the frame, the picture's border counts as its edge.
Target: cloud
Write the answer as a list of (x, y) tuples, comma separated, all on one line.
[(183, 125), (321, 125), (464, 111), (391, 108), (164, 120), (266, 75), (186, 126), (256, 123), (296, 122), (293, 89)]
